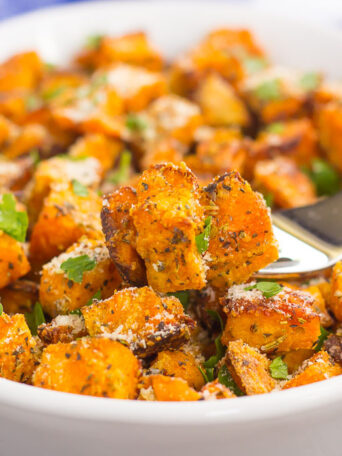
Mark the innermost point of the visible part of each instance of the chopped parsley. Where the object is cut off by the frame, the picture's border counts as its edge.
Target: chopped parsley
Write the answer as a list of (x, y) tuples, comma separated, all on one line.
[(93, 42), (35, 318), (1, 308), (121, 175), (324, 177), (211, 363), (135, 123), (33, 102), (309, 81), (269, 90), (79, 189), (183, 297), (75, 267), (97, 295), (225, 378), (202, 240), (269, 199), (278, 369), (276, 128), (35, 156), (51, 94), (254, 64), (321, 339), (267, 288), (12, 222)]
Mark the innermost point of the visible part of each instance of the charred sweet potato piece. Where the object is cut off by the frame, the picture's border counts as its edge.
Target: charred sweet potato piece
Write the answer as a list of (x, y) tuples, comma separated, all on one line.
[(329, 127), (283, 179), (22, 71), (60, 295), (133, 48), (283, 322), (120, 234), (94, 367), (13, 260), (215, 390), (64, 218), (335, 299), (19, 296), (319, 367), (179, 363), (17, 360), (220, 104), (164, 388), (250, 367), (242, 240), (56, 170), (167, 218), (146, 322), (63, 328)]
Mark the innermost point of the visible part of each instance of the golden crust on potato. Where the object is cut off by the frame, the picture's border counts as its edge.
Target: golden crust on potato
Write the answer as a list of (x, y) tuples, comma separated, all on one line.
[(63, 328), (164, 388), (242, 240), (90, 366), (21, 71), (14, 263), (283, 322), (140, 318)]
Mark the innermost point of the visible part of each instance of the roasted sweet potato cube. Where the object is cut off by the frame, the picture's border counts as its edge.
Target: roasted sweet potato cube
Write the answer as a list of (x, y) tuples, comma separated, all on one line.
[(19, 296), (161, 150), (319, 305), (283, 322), (56, 81), (251, 367), (15, 174), (319, 367), (60, 295), (219, 151), (179, 363), (22, 71), (13, 260), (169, 389), (94, 367), (64, 218), (26, 138), (329, 128), (105, 150), (283, 179), (242, 240), (17, 360), (120, 234), (295, 358), (335, 300), (146, 322), (278, 93), (220, 104), (215, 391), (63, 328), (133, 48), (167, 217)]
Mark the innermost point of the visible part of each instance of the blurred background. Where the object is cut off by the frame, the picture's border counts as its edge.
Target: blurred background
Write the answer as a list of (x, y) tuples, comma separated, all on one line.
[(309, 10)]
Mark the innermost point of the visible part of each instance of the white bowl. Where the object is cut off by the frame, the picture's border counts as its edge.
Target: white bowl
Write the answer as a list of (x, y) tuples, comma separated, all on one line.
[(304, 421)]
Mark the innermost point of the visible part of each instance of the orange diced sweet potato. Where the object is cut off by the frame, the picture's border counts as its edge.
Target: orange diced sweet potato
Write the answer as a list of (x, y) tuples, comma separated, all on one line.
[(19, 297), (13, 260), (215, 390), (161, 150), (329, 128), (170, 389), (335, 299), (22, 71)]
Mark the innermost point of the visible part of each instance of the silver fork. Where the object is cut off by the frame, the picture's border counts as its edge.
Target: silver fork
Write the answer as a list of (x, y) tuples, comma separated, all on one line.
[(310, 239)]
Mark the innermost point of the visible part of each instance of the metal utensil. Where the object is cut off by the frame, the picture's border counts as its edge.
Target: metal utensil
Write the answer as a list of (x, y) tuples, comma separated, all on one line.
[(310, 239)]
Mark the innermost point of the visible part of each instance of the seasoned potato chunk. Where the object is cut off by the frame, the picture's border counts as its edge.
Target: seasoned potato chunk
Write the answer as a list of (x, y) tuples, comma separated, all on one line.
[(242, 240), (19, 297), (14, 263), (167, 217), (17, 360), (329, 127), (146, 322), (283, 179), (22, 71), (250, 367), (319, 305), (179, 363), (164, 388), (283, 322), (63, 328), (161, 150), (220, 104), (294, 358), (318, 368), (133, 48), (215, 390), (56, 170), (120, 234), (335, 299), (59, 295), (94, 367), (64, 218)]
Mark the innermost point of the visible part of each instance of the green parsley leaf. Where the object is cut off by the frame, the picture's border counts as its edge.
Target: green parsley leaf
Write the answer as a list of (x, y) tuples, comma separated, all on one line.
[(204, 374), (268, 91), (97, 295), (35, 156), (75, 267), (225, 378), (76, 312), (321, 339), (121, 175), (276, 127), (254, 64), (12, 222), (202, 240), (35, 318), (79, 189), (33, 102), (216, 316), (93, 41), (1, 308), (269, 198), (268, 288), (220, 349), (278, 369), (309, 81), (135, 123), (49, 66), (183, 297), (49, 95), (71, 157), (324, 177)]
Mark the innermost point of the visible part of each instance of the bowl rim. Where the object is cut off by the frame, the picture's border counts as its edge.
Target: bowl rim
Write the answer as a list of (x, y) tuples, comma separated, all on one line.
[(202, 413)]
